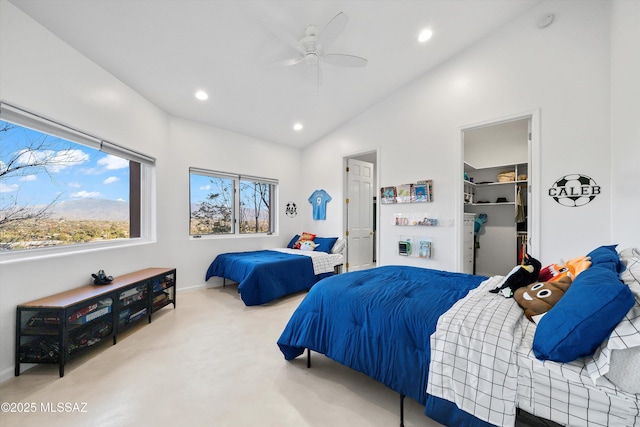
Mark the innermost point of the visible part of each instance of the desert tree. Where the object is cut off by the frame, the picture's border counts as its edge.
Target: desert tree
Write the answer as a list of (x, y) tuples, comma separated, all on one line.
[(255, 196), (214, 213), (37, 154)]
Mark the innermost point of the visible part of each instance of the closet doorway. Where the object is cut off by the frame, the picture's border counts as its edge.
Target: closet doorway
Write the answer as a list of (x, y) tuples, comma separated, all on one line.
[(500, 203), (360, 214)]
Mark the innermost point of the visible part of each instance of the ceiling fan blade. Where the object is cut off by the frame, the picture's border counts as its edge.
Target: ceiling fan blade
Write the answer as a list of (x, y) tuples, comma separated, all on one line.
[(285, 37), (344, 60), (287, 62), (332, 30)]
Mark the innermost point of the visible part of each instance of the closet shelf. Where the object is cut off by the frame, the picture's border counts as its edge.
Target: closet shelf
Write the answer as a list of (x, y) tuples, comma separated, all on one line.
[(491, 204), (484, 184)]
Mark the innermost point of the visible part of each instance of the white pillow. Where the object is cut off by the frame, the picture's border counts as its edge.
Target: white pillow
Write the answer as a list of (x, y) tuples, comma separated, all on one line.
[(623, 369), (338, 246), (630, 257), (619, 357)]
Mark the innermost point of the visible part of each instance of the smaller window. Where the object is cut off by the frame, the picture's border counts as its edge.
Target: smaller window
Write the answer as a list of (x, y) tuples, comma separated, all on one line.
[(223, 203)]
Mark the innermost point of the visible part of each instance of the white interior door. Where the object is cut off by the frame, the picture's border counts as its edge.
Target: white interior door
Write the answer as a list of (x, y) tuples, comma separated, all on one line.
[(360, 232)]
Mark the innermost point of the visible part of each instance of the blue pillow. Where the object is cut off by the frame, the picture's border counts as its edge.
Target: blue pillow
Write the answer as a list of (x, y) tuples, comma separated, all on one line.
[(606, 256), (324, 243), (584, 317), (293, 241)]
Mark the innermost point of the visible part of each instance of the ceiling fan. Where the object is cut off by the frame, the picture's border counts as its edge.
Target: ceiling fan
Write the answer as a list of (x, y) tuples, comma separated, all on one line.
[(312, 48)]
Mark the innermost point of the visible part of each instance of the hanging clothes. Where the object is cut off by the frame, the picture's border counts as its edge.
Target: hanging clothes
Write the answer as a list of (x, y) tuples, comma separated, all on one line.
[(521, 215)]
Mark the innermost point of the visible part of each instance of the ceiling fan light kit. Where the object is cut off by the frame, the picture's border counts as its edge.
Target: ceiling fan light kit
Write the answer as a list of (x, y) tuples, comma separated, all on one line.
[(312, 47)]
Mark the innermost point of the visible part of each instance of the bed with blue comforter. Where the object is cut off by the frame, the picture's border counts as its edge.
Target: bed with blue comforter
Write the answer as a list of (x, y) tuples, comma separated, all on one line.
[(266, 275), (379, 322), (472, 357)]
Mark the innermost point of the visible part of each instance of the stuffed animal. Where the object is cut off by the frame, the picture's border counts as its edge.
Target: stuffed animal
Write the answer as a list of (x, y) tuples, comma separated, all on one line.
[(540, 297), (571, 268), (303, 238), (521, 276), (308, 245)]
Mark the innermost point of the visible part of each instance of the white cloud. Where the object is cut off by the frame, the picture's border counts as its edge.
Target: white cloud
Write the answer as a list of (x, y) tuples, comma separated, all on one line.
[(4, 188), (55, 160), (205, 187), (111, 180), (111, 162), (86, 194), (72, 156), (75, 185), (120, 200), (29, 178)]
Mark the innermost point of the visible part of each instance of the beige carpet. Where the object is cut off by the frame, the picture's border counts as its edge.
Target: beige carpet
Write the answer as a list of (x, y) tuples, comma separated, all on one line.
[(210, 362)]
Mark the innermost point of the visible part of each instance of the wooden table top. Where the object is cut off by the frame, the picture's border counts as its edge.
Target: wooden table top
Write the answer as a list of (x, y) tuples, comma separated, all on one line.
[(74, 296)]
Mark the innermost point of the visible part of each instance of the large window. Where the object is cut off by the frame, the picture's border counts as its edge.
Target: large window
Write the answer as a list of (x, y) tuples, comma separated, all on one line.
[(223, 203), (60, 187)]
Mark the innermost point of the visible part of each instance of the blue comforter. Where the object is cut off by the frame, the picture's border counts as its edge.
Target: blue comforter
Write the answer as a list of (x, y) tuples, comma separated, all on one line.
[(378, 322), (265, 275)]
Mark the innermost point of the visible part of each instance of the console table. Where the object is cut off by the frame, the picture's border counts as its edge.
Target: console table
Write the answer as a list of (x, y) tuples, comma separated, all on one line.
[(56, 328)]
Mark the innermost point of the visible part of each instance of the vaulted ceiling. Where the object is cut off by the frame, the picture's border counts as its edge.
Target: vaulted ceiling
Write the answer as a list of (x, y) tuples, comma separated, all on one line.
[(166, 50)]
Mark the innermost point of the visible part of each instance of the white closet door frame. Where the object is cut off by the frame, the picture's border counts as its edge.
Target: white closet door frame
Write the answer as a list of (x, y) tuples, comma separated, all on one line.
[(533, 186)]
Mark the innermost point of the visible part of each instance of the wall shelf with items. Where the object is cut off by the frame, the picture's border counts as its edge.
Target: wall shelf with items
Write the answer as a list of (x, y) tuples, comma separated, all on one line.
[(419, 192), (415, 247), (417, 219)]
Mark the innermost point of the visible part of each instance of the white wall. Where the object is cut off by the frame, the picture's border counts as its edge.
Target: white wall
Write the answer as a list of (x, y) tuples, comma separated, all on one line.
[(42, 74), (625, 122), (501, 144), (562, 70), (206, 147)]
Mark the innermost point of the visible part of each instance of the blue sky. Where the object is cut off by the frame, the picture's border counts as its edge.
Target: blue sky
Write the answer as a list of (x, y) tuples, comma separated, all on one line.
[(76, 172), (201, 186)]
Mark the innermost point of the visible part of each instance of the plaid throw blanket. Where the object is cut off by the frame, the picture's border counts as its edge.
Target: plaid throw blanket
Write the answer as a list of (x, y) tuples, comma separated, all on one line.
[(322, 261), (473, 355)]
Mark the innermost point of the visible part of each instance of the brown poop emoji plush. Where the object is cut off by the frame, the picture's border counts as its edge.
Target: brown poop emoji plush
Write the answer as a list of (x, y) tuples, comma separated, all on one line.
[(540, 297)]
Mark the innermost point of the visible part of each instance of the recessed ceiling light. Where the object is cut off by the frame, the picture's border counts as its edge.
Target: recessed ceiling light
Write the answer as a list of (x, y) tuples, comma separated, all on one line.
[(425, 35), (298, 126), (202, 95)]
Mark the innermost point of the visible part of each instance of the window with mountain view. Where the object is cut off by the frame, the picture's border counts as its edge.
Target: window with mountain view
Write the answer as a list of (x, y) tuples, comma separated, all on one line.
[(223, 203), (55, 191)]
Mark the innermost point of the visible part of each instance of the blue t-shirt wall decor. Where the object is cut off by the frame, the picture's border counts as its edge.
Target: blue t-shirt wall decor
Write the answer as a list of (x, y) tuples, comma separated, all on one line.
[(319, 200)]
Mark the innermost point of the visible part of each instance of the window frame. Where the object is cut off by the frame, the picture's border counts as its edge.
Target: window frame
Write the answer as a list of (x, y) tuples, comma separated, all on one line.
[(145, 201), (235, 208)]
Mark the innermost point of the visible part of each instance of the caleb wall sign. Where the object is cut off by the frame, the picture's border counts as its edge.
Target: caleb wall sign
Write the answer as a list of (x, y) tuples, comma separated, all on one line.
[(574, 190)]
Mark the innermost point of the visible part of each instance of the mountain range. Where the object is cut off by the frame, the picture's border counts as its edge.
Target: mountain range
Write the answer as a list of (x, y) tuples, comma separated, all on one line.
[(91, 209)]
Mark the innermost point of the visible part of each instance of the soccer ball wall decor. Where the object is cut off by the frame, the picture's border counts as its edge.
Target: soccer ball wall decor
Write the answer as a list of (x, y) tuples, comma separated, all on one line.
[(291, 210), (574, 190)]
